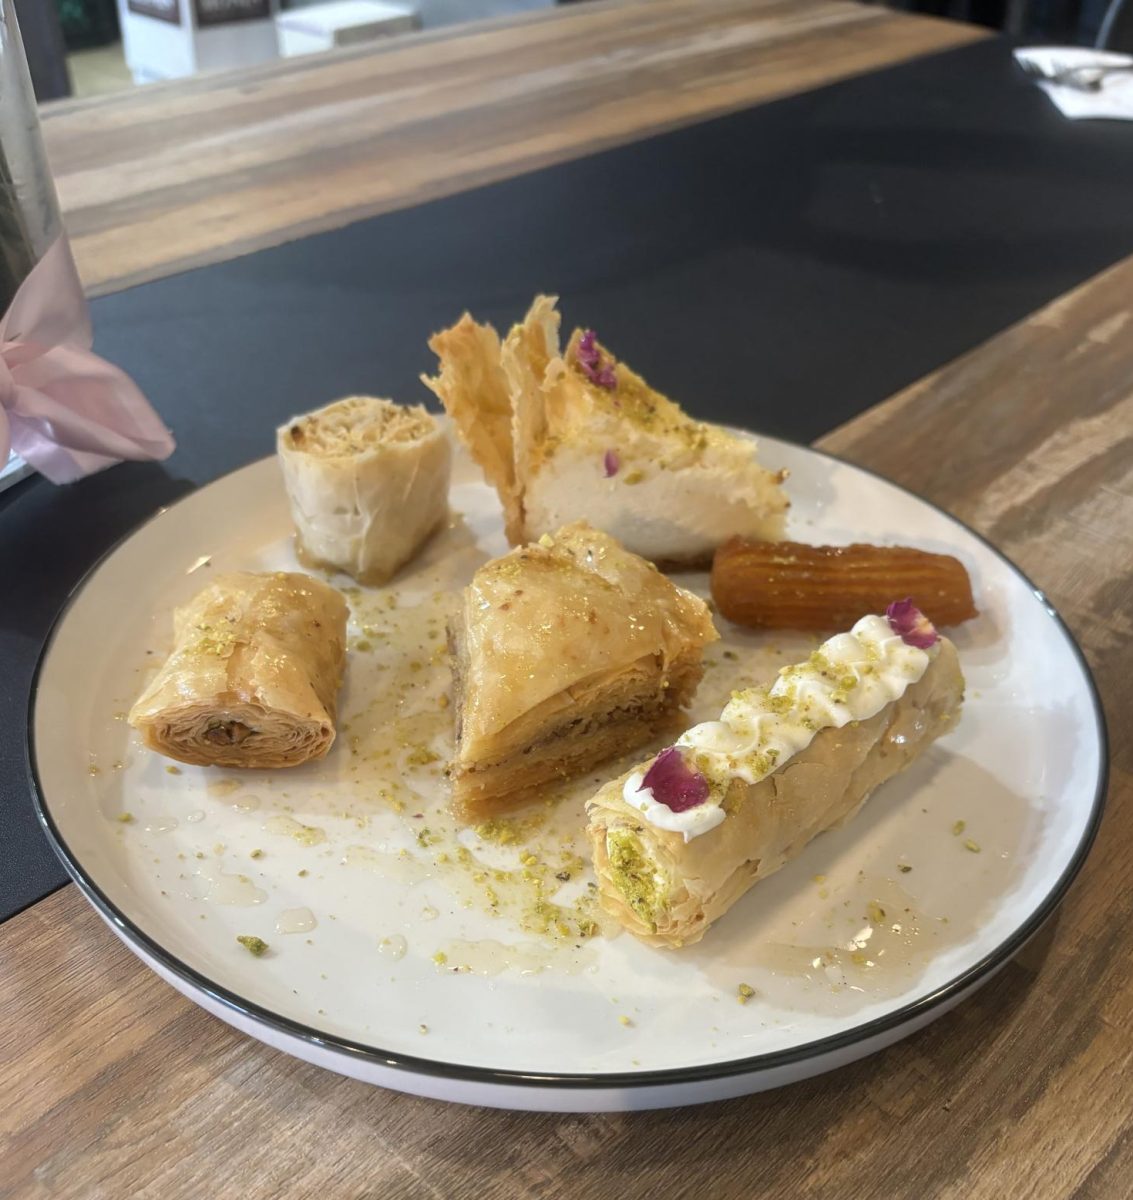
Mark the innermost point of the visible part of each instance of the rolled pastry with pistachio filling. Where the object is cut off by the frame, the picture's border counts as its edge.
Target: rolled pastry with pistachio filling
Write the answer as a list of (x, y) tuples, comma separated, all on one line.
[(367, 481), (252, 680), (677, 841)]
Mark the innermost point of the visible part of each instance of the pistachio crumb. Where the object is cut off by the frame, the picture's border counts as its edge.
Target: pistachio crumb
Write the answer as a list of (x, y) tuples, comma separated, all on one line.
[(624, 1020), (125, 817), (972, 846), (904, 868), (257, 853), (254, 945), (173, 770), (958, 828), (744, 993)]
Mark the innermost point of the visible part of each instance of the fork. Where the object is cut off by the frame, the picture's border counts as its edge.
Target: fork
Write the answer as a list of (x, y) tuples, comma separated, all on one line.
[(1086, 77)]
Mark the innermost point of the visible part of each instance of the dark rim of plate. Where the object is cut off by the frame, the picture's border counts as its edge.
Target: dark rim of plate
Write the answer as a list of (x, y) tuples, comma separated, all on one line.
[(916, 1012)]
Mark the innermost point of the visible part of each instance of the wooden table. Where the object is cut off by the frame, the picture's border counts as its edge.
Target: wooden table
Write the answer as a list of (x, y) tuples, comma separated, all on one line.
[(115, 1086)]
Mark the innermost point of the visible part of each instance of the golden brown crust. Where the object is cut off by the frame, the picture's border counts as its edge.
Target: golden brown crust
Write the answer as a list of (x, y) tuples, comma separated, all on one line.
[(789, 585), (584, 431), (554, 643), (770, 822), (579, 736), (253, 676), (474, 390), (527, 353)]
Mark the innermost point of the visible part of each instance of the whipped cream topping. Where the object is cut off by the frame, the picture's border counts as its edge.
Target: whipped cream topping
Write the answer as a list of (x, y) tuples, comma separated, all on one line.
[(692, 822), (851, 677)]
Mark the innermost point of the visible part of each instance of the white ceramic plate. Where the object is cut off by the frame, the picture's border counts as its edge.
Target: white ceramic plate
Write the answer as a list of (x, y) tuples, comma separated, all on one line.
[(413, 955)]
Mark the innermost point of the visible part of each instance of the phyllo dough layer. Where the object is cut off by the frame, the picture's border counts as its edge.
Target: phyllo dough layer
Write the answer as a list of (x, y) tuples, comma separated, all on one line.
[(667, 886), (575, 434), (367, 481), (565, 653), (253, 676)]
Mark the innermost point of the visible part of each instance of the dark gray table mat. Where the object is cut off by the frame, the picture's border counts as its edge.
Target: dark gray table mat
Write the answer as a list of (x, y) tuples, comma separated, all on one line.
[(783, 268)]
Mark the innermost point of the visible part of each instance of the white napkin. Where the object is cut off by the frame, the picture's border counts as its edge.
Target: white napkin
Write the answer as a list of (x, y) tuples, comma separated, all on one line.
[(1113, 100)]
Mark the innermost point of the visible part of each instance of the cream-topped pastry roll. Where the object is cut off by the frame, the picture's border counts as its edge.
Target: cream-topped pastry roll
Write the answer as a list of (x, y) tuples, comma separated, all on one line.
[(252, 680), (367, 481), (679, 840)]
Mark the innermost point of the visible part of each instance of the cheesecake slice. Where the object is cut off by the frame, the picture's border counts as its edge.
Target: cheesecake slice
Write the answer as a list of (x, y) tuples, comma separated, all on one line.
[(575, 434), (565, 653)]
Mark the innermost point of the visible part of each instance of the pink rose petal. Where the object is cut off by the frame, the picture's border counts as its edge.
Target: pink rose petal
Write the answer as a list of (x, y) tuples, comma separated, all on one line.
[(911, 625), (611, 463), (674, 783), (590, 361)]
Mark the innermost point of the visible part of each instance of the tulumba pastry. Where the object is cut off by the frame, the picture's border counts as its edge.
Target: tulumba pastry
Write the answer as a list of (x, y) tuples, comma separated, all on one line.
[(367, 481), (790, 585), (575, 434), (565, 653), (677, 841), (253, 676)]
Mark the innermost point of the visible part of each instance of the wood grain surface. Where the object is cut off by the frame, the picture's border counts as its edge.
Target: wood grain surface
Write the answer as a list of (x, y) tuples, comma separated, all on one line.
[(181, 174), (114, 1086)]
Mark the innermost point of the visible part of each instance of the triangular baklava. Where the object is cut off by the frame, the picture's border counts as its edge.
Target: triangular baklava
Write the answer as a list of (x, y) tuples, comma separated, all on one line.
[(565, 653)]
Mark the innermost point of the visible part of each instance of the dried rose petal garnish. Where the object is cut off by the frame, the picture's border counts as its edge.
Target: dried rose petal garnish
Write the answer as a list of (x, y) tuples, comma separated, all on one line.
[(611, 463), (911, 625), (674, 783), (590, 361)]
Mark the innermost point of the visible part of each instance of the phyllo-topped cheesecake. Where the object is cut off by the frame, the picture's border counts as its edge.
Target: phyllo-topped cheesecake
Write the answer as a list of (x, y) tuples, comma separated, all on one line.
[(575, 434), (565, 653)]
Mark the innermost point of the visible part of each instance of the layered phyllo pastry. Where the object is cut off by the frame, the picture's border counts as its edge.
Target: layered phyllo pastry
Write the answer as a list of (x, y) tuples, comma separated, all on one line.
[(679, 839), (575, 434), (367, 481), (565, 653), (253, 676)]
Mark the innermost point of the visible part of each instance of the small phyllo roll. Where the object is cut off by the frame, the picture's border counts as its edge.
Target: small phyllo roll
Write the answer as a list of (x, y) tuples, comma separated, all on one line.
[(253, 676), (367, 481)]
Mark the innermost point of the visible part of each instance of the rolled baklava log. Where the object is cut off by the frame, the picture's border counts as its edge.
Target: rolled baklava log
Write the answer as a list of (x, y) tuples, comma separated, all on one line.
[(367, 481), (253, 676)]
